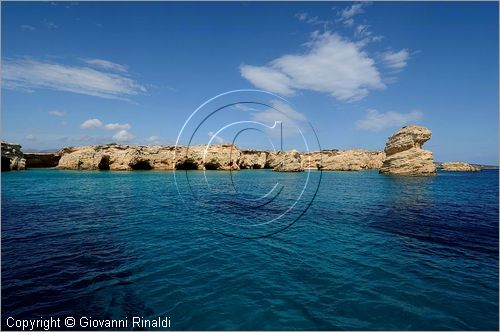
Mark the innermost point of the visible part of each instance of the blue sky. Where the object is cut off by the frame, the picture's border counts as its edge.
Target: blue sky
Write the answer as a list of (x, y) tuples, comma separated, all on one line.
[(83, 73)]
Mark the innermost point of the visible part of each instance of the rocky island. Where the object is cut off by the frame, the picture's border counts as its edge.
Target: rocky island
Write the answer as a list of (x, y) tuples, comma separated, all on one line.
[(458, 166), (403, 155)]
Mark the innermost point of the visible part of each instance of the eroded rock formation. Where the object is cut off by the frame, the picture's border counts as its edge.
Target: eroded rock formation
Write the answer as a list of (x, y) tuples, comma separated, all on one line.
[(12, 157), (343, 160), (128, 157), (459, 166), (253, 159), (287, 161), (218, 157), (404, 153)]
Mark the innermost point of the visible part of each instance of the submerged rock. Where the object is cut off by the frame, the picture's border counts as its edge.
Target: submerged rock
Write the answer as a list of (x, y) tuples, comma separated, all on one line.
[(404, 153), (459, 166), (12, 157)]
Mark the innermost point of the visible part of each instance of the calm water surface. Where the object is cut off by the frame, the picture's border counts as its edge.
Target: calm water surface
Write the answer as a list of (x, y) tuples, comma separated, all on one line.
[(371, 252)]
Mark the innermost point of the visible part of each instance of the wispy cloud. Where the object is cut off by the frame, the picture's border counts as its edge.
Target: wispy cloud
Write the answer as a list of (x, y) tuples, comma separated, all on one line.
[(346, 15), (26, 27), (153, 139), (396, 60), (377, 121), (268, 78), (28, 74), (56, 113), (314, 20), (352, 11), (91, 123), (332, 65), (301, 16), (117, 126), (362, 30), (291, 119), (49, 24), (31, 137), (104, 64), (123, 136), (216, 139), (349, 22)]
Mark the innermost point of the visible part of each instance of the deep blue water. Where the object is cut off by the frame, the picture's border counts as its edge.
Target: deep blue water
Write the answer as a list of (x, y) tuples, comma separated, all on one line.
[(371, 252)]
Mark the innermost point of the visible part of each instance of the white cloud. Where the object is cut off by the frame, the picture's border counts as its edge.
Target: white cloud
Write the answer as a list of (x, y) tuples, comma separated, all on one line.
[(31, 137), (245, 108), (215, 139), (314, 20), (26, 74), (56, 113), (153, 139), (123, 136), (91, 123), (362, 30), (118, 126), (347, 15), (104, 64), (291, 119), (332, 65), (26, 27), (49, 24), (349, 22), (268, 78), (301, 16), (281, 111), (351, 11), (396, 60), (377, 121)]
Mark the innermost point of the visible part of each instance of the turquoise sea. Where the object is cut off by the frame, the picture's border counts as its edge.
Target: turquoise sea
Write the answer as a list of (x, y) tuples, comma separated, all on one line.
[(363, 252)]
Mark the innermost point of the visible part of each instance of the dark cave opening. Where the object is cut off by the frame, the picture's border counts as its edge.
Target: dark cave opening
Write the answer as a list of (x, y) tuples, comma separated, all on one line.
[(187, 164), (141, 165), (104, 164)]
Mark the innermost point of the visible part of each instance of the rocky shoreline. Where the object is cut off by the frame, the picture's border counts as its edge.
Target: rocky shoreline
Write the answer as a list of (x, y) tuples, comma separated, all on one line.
[(403, 155)]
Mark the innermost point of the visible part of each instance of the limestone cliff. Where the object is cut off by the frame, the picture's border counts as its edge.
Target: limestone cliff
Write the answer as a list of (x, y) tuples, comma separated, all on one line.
[(12, 157), (404, 153), (217, 157), (288, 161), (253, 159), (343, 160), (128, 157)]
